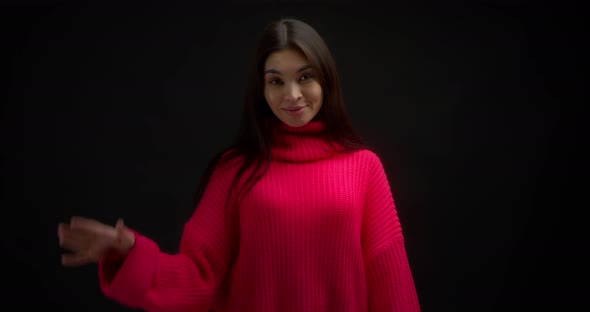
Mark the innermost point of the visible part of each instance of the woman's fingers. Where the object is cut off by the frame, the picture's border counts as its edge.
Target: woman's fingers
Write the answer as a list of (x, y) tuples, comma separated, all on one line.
[(77, 222), (74, 242), (119, 228), (88, 240), (101, 230), (66, 239), (120, 224), (76, 259), (61, 228), (76, 239)]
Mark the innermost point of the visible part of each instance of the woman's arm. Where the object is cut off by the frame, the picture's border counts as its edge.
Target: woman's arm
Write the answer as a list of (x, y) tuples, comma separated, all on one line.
[(151, 280), (389, 278)]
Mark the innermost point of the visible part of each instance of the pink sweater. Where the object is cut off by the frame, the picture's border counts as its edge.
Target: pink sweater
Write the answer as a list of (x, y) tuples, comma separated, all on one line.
[(319, 232)]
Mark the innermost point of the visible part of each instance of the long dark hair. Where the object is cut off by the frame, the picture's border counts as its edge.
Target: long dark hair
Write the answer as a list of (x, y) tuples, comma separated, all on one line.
[(252, 144)]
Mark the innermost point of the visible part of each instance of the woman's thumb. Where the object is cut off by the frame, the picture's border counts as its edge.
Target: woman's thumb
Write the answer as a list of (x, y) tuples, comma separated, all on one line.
[(119, 227), (125, 238), (120, 223)]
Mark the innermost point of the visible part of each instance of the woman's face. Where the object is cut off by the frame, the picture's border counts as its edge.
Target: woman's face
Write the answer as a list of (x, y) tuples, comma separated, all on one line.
[(291, 87)]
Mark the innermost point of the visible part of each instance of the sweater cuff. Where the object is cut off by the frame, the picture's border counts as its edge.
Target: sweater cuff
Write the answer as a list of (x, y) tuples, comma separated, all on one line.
[(128, 281), (390, 280)]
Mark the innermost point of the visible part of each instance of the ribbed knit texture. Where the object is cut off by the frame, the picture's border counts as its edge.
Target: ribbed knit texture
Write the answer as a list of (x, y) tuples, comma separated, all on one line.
[(318, 232)]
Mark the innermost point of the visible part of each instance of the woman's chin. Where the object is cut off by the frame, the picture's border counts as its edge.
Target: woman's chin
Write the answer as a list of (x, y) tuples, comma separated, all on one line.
[(295, 122)]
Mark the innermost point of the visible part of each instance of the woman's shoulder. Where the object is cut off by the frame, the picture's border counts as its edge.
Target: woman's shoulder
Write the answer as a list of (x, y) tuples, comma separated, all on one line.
[(366, 155), (226, 161)]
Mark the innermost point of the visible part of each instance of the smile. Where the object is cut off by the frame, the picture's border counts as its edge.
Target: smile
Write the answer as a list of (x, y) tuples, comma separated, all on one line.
[(294, 110)]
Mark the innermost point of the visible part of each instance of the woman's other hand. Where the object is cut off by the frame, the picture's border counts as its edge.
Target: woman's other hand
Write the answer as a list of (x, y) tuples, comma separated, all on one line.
[(91, 241)]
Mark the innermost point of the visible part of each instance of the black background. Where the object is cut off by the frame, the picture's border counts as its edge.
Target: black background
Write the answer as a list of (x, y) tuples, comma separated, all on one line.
[(113, 109)]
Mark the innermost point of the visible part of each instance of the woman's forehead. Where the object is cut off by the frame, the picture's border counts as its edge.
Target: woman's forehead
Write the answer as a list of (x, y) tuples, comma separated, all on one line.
[(286, 61)]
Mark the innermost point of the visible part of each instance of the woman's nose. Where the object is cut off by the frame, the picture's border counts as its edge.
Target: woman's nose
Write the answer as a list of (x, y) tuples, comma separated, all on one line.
[(292, 92)]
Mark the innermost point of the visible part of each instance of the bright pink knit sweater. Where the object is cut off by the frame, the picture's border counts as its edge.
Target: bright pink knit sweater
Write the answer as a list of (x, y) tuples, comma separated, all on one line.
[(319, 232)]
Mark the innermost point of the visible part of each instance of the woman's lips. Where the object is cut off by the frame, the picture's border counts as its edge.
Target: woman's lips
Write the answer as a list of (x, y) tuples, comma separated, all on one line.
[(295, 110)]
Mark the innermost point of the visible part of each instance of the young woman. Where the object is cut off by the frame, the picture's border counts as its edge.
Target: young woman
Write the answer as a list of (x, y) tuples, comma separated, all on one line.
[(297, 215)]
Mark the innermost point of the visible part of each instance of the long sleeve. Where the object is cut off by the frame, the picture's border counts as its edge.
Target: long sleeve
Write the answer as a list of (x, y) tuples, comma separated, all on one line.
[(151, 280), (390, 284)]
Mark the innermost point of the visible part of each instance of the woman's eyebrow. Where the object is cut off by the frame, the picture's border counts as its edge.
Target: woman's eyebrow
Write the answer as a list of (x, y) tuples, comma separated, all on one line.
[(274, 71)]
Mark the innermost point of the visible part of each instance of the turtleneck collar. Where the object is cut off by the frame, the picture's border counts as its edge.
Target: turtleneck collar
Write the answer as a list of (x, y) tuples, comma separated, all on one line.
[(301, 144)]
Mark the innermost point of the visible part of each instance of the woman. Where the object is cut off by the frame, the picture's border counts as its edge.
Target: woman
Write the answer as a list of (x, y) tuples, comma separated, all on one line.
[(297, 215)]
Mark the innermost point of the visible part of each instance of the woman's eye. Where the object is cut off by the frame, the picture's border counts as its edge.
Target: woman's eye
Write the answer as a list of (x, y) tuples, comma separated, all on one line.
[(274, 81), (305, 77)]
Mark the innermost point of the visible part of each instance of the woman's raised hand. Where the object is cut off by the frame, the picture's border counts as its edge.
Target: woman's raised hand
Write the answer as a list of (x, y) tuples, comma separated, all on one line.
[(91, 241)]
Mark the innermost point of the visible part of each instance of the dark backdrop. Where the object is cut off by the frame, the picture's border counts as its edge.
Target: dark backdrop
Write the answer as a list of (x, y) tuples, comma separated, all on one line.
[(113, 110)]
